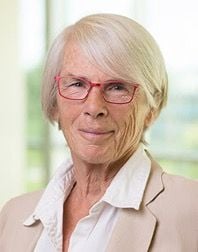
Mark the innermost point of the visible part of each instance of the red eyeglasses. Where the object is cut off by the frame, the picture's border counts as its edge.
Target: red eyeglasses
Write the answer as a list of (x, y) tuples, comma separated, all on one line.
[(78, 88)]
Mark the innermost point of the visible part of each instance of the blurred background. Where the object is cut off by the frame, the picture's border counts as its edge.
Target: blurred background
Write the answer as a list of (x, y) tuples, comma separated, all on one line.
[(31, 149)]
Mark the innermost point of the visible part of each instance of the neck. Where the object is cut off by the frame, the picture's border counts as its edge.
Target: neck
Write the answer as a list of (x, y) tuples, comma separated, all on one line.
[(92, 180)]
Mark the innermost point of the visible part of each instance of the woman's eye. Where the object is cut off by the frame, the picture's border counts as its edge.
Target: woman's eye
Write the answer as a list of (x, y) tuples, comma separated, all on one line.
[(116, 87), (119, 87), (77, 84)]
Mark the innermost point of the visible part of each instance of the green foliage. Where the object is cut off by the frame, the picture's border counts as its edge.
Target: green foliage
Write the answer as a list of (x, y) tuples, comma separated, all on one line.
[(34, 130), (34, 113), (186, 169)]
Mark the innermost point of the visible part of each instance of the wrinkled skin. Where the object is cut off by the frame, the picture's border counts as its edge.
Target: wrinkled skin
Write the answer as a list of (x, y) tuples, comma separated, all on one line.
[(98, 132)]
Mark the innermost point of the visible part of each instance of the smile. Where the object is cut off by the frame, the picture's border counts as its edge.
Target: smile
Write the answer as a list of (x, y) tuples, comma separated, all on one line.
[(92, 134)]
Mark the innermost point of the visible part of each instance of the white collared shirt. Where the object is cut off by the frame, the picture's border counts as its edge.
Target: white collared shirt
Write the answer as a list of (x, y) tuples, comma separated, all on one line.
[(92, 232)]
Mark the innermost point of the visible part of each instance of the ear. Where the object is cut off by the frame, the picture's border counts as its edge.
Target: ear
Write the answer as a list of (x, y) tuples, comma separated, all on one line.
[(150, 118)]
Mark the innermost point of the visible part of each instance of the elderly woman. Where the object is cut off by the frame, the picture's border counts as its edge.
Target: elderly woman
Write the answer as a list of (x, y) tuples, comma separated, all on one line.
[(104, 84)]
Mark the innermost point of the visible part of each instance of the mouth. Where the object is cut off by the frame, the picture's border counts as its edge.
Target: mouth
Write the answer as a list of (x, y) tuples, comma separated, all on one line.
[(94, 134)]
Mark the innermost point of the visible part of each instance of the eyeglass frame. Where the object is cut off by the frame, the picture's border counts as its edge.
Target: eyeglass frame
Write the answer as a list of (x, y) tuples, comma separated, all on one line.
[(57, 79)]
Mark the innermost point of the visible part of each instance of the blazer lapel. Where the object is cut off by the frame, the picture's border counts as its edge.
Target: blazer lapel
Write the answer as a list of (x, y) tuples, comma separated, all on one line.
[(134, 229), (26, 239), (133, 232)]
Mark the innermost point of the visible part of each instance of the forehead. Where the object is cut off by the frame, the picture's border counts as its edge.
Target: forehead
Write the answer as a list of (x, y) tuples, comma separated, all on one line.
[(77, 62), (71, 51)]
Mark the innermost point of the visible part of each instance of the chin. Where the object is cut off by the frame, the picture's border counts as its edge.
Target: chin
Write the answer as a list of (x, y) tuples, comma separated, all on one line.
[(96, 155)]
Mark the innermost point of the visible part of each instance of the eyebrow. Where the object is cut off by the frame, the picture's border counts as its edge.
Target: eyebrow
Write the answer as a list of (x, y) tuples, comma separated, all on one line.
[(86, 79), (77, 76)]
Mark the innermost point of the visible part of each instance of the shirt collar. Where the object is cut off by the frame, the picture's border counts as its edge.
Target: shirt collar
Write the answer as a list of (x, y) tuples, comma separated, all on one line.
[(54, 195), (125, 191), (50, 207), (127, 188)]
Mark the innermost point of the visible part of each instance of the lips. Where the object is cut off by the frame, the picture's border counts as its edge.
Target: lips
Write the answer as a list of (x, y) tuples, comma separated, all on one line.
[(95, 133)]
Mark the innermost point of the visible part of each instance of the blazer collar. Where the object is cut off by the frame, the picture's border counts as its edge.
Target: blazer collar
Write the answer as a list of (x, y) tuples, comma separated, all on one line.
[(155, 184), (135, 229)]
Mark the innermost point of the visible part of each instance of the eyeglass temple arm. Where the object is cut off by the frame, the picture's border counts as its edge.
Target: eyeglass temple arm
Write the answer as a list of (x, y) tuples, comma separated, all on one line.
[(57, 78)]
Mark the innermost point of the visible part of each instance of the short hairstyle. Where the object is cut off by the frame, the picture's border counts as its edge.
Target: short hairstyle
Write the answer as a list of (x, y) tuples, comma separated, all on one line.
[(120, 47)]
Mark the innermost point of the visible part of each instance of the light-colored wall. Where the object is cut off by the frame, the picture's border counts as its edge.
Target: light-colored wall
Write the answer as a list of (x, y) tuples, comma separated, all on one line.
[(12, 104)]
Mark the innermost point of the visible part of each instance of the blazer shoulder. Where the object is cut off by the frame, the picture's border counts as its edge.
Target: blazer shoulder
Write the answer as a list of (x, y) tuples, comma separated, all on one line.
[(29, 199), (14, 236), (180, 182), (184, 190), (22, 206)]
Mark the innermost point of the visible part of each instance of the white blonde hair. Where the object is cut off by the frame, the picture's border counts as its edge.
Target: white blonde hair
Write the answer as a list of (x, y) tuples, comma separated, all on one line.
[(120, 47)]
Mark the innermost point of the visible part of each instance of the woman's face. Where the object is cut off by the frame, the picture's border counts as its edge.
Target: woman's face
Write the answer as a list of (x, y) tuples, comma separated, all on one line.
[(96, 131)]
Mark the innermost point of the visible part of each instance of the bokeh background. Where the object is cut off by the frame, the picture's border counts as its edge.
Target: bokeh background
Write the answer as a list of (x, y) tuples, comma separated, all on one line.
[(30, 148)]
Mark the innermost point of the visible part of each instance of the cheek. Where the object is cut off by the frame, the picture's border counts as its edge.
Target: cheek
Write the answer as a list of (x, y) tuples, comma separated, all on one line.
[(66, 114), (130, 130), (66, 122), (67, 111)]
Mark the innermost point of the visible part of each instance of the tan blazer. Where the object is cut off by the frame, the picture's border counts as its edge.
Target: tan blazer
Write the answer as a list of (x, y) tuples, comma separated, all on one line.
[(166, 222)]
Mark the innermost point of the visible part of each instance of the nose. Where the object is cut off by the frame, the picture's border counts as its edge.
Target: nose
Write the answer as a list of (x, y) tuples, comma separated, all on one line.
[(95, 105)]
